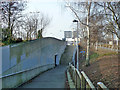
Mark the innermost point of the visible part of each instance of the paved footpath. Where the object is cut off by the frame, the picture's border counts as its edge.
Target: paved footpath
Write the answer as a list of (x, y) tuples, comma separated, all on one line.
[(54, 78)]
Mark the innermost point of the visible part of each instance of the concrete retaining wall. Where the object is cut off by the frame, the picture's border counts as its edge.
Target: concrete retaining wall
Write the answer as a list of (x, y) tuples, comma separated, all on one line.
[(26, 57), (16, 79)]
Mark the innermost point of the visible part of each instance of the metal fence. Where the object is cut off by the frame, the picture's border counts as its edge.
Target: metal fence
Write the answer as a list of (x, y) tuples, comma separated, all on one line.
[(82, 82), (109, 47)]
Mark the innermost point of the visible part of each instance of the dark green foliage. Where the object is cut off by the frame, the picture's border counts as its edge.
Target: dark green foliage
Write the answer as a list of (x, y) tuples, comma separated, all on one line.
[(5, 34), (40, 34), (7, 42)]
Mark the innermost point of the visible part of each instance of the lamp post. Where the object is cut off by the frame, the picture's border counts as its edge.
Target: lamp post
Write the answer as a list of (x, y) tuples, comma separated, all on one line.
[(77, 45)]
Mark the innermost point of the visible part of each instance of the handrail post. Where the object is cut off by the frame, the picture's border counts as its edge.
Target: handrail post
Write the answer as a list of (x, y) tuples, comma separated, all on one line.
[(82, 82), (78, 82), (87, 81), (75, 78), (78, 79)]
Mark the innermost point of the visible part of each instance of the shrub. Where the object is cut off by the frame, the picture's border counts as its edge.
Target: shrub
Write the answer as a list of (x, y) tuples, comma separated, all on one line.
[(19, 40)]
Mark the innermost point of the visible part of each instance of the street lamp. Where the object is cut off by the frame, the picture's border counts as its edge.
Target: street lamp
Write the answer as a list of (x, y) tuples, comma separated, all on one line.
[(77, 44)]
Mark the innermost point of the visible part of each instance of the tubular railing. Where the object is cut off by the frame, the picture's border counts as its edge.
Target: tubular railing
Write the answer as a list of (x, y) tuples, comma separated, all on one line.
[(101, 86), (81, 81), (86, 83), (109, 48)]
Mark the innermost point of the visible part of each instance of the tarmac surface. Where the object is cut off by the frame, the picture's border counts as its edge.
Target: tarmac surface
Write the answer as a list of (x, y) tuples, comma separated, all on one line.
[(54, 78), (67, 55)]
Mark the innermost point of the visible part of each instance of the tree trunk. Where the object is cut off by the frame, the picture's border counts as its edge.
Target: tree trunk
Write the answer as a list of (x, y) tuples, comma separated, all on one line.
[(119, 48), (112, 41), (118, 51), (88, 38), (27, 36), (88, 44), (9, 23), (96, 47), (30, 35), (41, 33)]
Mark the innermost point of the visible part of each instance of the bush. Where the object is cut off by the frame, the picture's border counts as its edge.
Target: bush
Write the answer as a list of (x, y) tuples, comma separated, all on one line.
[(94, 55), (19, 40)]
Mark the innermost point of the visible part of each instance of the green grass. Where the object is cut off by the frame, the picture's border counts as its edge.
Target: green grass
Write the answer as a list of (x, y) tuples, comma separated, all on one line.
[(108, 54), (94, 55), (98, 54)]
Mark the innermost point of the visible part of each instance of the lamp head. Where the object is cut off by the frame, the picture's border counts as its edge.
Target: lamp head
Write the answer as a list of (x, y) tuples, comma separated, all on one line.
[(75, 20)]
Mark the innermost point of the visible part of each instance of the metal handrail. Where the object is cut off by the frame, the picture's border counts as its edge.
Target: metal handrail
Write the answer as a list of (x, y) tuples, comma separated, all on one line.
[(102, 86), (88, 80), (79, 74), (82, 74), (109, 48), (22, 71)]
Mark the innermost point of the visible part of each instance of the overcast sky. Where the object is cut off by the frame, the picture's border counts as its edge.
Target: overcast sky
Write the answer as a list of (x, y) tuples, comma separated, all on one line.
[(61, 16)]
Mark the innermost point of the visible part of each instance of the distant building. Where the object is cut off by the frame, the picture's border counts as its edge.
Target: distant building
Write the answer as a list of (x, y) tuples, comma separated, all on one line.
[(71, 37), (74, 35), (67, 34)]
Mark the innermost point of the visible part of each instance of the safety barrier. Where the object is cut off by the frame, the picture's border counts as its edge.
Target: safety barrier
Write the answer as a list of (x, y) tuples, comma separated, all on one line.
[(81, 81), (16, 79), (109, 48)]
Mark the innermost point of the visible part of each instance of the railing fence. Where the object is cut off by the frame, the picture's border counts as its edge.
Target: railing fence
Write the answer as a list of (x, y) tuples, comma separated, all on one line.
[(82, 82)]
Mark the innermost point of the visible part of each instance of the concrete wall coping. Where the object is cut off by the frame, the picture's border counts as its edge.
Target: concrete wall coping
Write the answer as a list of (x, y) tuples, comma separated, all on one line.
[(17, 44), (22, 71)]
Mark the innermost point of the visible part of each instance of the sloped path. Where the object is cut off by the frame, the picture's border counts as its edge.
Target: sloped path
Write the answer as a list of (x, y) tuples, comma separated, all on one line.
[(67, 55), (54, 78)]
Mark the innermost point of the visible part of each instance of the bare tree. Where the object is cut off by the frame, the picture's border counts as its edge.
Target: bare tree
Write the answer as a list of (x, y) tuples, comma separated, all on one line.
[(87, 13), (28, 26), (34, 24), (11, 13), (113, 9), (44, 22), (112, 14), (102, 18)]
